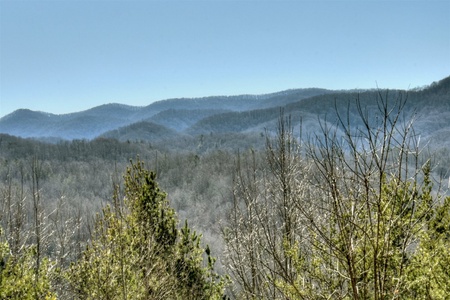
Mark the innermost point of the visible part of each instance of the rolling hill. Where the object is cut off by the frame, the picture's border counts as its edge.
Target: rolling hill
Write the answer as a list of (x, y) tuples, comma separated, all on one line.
[(234, 117), (96, 121)]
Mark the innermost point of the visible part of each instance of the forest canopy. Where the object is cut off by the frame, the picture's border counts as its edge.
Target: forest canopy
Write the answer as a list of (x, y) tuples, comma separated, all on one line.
[(354, 210)]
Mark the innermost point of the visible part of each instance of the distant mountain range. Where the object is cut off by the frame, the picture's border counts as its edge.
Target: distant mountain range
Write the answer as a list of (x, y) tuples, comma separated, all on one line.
[(175, 119), (177, 114)]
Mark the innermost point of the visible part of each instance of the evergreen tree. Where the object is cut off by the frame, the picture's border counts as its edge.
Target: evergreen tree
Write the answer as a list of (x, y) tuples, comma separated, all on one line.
[(138, 252), (19, 278)]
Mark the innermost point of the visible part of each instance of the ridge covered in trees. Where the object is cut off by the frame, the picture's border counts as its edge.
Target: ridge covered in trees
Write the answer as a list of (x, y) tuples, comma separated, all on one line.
[(169, 121)]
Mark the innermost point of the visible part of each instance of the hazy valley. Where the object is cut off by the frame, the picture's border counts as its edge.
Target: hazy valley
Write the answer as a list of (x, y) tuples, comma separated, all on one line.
[(204, 152)]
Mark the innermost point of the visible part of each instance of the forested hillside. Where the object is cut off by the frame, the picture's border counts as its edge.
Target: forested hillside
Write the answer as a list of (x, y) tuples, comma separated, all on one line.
[(340, 195)]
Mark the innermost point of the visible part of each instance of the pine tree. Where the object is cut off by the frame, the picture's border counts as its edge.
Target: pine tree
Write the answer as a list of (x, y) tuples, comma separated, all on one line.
[(19, 279), (138, 252)]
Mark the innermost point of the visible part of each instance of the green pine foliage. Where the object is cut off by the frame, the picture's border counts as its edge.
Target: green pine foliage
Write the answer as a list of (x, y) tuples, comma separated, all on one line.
[(428, 274), (19, 277), (138, 252)]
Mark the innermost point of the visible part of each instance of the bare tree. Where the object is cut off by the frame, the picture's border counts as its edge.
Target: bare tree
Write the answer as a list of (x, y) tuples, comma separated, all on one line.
[(346, 220), (263, 225), (13, 207)]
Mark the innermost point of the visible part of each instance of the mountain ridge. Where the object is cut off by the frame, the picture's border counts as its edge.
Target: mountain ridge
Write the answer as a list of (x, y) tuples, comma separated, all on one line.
[(33, 124), (244, 115)]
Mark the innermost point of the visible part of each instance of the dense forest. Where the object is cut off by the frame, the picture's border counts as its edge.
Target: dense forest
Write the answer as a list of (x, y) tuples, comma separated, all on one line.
[(351, 205)]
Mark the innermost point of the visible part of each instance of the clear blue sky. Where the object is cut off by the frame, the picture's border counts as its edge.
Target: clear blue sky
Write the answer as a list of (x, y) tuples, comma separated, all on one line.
[(66, 56)]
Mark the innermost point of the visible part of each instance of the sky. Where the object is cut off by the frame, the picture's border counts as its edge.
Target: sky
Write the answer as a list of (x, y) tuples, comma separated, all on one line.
[(67, 56)]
